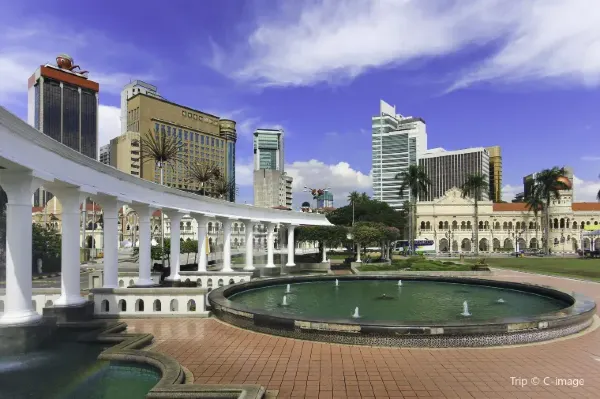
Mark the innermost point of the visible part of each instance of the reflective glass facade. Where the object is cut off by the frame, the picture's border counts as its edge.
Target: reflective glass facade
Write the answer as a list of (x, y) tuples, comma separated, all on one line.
[(51, 110), (89, 123)]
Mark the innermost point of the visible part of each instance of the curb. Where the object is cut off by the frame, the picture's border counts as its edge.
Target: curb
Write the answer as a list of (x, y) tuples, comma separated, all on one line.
[(547, 275)]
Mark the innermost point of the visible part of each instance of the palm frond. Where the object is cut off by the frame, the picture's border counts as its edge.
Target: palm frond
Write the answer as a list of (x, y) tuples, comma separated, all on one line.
[(202, 173), (160, 149), (475, 186), (221, 187)]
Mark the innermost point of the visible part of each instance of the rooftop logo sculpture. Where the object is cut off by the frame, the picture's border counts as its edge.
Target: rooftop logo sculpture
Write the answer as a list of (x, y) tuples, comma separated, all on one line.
[(64, 61)]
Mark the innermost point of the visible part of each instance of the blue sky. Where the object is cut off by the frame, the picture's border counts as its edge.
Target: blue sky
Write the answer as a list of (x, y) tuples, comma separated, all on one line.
[(522, 75)]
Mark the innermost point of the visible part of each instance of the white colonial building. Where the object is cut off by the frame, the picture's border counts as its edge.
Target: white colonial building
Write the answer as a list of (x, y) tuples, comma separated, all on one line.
[(449, 222)]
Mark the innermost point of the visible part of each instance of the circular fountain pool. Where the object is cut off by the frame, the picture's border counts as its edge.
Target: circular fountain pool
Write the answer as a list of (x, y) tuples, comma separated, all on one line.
[(424, 311)]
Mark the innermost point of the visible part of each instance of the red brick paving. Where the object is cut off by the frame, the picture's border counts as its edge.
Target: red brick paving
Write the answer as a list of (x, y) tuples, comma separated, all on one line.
[(218, 353)]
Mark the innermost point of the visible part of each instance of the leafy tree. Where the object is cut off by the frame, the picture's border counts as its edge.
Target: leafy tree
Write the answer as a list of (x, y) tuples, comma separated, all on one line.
[(331, 236), (475, 186), (367, 211), (536, 204), (46, 242), (546, 187), (416, 182), (366, 233)]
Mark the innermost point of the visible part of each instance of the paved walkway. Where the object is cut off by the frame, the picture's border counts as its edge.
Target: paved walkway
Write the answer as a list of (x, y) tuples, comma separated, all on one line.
[(218, 353)]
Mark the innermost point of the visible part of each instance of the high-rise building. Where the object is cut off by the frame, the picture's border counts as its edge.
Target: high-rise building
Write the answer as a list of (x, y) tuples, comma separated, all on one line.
[(131, 89), (63, 103), (104, 155), (450, 169), (495, 173), (530, 179), (125, 153), (204, 138), (272, 186), (397, 142), (325, 200)]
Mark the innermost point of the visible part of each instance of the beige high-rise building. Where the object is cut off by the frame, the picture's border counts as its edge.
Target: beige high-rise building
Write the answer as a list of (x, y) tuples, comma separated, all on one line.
[(204, 138), (495, 173), (124, 153)]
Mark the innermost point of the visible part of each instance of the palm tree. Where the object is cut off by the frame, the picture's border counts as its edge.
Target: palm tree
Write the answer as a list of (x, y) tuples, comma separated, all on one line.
[(203, 173), (353, 198), (222, 187), (162, 150), (547, 186), (364, 197), (415, 180), (475, 186), (534, 203)]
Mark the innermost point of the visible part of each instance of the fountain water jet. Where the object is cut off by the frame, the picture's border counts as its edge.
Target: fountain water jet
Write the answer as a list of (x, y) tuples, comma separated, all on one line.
[(337, 283), (500, 300), (399, 283), (284, 303), (288, 289), (465, 309), (356, 315)]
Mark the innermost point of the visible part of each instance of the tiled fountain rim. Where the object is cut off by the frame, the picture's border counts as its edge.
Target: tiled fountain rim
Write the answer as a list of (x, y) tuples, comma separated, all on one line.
[(172, 383), (581, 308)]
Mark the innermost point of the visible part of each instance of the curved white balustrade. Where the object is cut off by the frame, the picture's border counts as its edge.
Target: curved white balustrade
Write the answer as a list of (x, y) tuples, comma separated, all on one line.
[(30, 159)]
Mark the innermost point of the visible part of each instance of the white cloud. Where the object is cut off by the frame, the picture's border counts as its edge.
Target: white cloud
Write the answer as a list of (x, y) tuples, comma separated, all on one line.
[(585, 190), (303, 43), (109, 123), (509, 191), (340, 178), (590, 158)]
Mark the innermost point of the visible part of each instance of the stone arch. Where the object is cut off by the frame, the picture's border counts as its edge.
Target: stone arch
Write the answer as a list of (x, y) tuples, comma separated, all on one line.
[(587, 244), (422, 225), (104, 306), (191, 305), (131, 283), (139, 305), (174, 306), (220, 282), (454, 225), (187, 280), (508, 244), (465, 245), (480, 225), (505, 226), (157, 305), (555, 223), (231, 281), (199, 282), (531, 226), (90, 242), (582, 226), (454, 246), (469, 225), (209, 283), (122, 305), (443, 245), (510, 225), (496, 244), (497, 226), (518, 226), (463, 225), (427, 225), (121, 283), (574, 225), (562, 223), (484, 245), (446, 225), (522, 243), (533, 243), (440, 225)]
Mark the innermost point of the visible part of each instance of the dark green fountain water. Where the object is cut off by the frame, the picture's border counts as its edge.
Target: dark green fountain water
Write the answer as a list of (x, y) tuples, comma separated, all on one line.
[(384, 300), (68, 370)]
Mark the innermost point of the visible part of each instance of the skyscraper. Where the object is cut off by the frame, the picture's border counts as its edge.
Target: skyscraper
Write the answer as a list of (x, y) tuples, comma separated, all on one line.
[(397, 142), (63, 104), (449, 169), (204, 138), (272, 187), (495, 173), (104, 155), (131, 89)]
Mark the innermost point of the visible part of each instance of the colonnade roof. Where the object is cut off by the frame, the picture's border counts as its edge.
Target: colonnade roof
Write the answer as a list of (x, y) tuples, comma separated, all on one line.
[(25, 149)]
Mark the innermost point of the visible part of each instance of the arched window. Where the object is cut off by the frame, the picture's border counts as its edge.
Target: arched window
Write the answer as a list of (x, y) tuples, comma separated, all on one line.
[(441, 225), (231, 281), (480, 226), (562, 223), (139, 305), (469, 226), (174, 305), (531, 226), (574, 225), (454, 225), (505, 226), (422, 225), (510, 225), (157, 305), (123, 305), (104, 307), (427, 225), (446, 225), (191, 305), (555, 225)]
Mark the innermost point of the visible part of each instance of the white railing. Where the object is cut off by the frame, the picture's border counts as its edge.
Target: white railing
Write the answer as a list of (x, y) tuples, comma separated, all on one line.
[(40, 298), (211, 280), (149, 302)]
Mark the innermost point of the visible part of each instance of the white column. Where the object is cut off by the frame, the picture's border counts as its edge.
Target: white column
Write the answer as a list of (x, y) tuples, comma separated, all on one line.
[(358, 249), (17, 305), (70, 199), (270, 244), (290, 245), (202, 221), (144, 213), (324, 253), (226, 223), (249, 226), (174, 262), (110, 214)]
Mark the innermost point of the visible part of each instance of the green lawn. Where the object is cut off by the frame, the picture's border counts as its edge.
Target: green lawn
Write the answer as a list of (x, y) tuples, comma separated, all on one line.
[(415, 264), (588, 269)]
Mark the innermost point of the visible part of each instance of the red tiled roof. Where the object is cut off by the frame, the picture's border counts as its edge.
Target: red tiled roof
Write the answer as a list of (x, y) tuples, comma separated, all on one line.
[(586, 206), (35, 209), (281, 207), (91, 207), (510, 207), (156, 213)]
